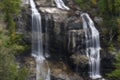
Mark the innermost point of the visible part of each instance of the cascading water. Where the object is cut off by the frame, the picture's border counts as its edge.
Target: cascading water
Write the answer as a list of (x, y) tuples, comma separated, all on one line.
[(37, 49), (92, 46), (37, 44), (61, 5), (46, 36)]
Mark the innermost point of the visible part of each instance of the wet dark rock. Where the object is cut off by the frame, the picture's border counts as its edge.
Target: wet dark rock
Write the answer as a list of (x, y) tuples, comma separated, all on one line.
[(60, 24), (61, 71), (23, 24), (63, 40), (98, 20), (24, 3), (74, 22), (80, 59), (68, 3), (45, 3), (107, 60)]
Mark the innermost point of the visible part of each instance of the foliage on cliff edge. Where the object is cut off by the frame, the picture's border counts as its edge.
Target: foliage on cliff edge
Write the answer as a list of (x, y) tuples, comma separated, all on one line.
[(10, 43)]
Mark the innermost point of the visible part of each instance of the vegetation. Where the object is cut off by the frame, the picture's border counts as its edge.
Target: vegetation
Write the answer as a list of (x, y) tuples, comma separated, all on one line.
[(109, 10), (10, 43), (109, 7), (116, 73), (86, 4), (9, 68), (10, 8)]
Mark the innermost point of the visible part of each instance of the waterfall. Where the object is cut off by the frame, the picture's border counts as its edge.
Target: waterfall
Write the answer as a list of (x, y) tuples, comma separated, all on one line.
[(37, 48), (92, 46), (60, 4), (46, 36), (37, 44)]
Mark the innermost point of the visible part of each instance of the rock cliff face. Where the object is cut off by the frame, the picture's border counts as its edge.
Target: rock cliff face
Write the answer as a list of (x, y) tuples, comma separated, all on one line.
[(63, 38), (63, 30)]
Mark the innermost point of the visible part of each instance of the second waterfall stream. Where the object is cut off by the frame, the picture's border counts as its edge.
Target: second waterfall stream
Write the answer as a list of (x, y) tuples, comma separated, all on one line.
[(60, 4), (92, 46)]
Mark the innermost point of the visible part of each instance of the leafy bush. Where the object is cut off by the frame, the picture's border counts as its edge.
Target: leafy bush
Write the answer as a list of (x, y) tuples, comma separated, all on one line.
[(84, 4), (109, 7), (11, 43), (10, 8), (116, 73), (9, 69)]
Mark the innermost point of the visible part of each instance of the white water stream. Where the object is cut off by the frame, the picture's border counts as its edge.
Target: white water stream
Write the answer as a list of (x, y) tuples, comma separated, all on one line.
[(37, 44), (60, 4), (91, 39), (92, 46)]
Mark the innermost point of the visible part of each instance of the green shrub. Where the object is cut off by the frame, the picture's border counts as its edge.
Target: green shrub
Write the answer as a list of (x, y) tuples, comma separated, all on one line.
[(9, 68), (109, 7), (10, 8), (84, 4), (116, 73)]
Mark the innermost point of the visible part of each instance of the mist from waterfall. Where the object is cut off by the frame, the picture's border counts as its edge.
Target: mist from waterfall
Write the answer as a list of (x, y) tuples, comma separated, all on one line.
[(37, 44), (60, 4), (92, 46)]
